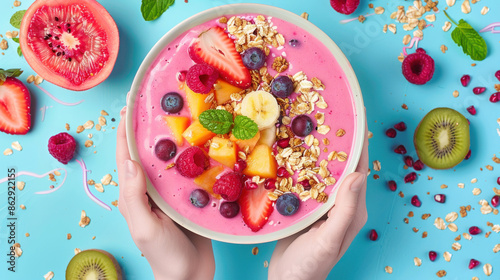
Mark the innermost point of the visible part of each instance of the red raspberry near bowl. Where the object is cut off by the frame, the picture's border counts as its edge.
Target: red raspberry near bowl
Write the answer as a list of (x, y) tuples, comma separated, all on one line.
[(62, 147), (200, 78), (345, 7), (418, 67), (192, 162), (229, 186)]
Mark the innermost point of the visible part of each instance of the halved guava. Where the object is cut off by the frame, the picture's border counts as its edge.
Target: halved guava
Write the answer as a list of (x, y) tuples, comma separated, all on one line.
[(71, 43)]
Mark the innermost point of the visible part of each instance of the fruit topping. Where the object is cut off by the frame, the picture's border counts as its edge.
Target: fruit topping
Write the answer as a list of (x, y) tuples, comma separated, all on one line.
[(391, 133), (207, 179), (287, 204), (465, 80), (471, 110), (401, 126), (373, 235), (224, 90), (345, 7), (473, 263), (495, 97), (215, 48), (254, 58), (172, 102), (243, 144), (282, 172), (15, 106), (73, 44), (432, 256), (192, 162), (256, 207), (282, 87), (196, 102), (229, 186), (261, 107), (302, 125), (165, 149), (223, 151), (267, 136), (249, 185), (400, 150), (474, 230), (199, 198), (62, 147), (410, 177), (177, 125), (392, 185), (270, 184), (197, 135), (261, 162), (240, 165), (283, 143), (478, 90), (418, 67), (442, 138), (441, 198), (201, 78), (181, 76), (415, 201), (229, 209), (495, 200), (408, 161)]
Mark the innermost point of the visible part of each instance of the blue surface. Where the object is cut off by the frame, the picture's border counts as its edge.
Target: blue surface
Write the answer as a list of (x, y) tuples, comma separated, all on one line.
[(373, 55)]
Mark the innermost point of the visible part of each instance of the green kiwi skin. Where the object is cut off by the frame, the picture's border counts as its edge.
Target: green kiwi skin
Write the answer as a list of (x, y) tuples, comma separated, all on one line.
[(425, 155), (106, 255)]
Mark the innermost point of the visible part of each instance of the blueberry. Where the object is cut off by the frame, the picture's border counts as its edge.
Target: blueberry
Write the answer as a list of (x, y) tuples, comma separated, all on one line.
[(294, 43), (287, 204), (229, 209), (199, 198), (172, 102), (165, 149), (302, 125), (254, 58), (282, 86)]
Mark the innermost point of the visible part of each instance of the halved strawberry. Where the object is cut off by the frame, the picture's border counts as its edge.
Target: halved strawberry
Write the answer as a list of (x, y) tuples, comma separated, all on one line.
[(255, 207), (15, 104), (215, 48)]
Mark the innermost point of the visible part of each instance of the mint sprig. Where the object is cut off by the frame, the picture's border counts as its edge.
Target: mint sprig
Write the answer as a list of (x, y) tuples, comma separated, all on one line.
[(9, 73), (153, 9), (16, 19), (468, 38), (221, 121)]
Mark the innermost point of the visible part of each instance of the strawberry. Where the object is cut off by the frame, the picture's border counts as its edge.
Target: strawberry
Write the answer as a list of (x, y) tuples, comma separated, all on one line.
[(255, 207), (215, 48), (15, 104), (345, 7)]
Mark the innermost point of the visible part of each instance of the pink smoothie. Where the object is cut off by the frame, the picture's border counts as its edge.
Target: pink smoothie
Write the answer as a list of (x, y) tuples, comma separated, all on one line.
[(311, 57)]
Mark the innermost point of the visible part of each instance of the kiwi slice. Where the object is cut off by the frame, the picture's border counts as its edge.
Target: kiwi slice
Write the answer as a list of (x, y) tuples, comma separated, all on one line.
[(93, 264), (442, 138)]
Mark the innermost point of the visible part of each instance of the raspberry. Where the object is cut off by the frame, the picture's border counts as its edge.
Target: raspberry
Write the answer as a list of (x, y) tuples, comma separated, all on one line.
[(418, 67), (200, 78), (229, 186), (192, 162), (62, 147), (345, 7)]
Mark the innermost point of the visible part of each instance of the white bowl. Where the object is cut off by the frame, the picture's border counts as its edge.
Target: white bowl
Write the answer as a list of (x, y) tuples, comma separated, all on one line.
[(289, 17)]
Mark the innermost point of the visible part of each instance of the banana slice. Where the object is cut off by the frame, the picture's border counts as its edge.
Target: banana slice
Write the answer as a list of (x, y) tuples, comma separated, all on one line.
[(261, 107), (268, 136)]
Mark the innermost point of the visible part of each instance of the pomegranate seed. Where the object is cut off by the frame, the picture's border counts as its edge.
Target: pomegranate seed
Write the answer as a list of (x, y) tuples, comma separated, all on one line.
[(240, 165), (418, 165), (392, 185), (465, 80), (400, 126), (497, 74), (391, 133), (249, 185), (282, 172), (283, 143), (495, 201), (400, 150), (495, 97), (181, 76), (373, 235), (471, 110), (468, 155), (410, 177), (479, 90), (415, 201), (498, 180), (474, 230), (473, 263), (432, 256), (270, 184), (305, 184), (441, 198), (408, 161)]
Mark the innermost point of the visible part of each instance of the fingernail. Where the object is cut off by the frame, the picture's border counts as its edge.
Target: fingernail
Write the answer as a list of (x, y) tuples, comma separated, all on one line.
[(130, 169), (123, 110), (358, 183)]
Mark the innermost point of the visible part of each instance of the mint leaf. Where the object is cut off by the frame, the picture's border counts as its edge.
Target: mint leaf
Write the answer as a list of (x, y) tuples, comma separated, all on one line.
[(217, 121), (244, 128), (16, 19), (19, 51), (10, 73), (15, 40), (472, 43), (153, 9)]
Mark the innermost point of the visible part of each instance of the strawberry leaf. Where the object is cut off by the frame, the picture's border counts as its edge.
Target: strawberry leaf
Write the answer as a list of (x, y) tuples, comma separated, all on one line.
[(244, 128), (10, 73), (153, 9), (217, 121), (472, 43)]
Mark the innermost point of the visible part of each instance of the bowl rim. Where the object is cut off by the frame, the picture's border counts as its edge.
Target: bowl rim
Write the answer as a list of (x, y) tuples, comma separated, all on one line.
[(285, 15)]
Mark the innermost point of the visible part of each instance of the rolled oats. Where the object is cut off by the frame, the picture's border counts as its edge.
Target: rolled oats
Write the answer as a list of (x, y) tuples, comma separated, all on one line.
[(439, 223), (447, 256), (441, 273), (16, 146), (476, 191), (466, 7), (450, 2), (388, 269), (89, 143), (446, 26), (7, 152), (496, 248), (453, 227), (49, 275), (406, 39), (487, 269), (485, 10), (377, 165), (379, 10), (417, 261), (20, 185), (456, 246), (84, 220), (467, 236)]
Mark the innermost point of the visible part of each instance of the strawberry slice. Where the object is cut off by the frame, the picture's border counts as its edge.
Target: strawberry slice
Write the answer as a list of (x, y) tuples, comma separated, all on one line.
[(215, 48), (255, 207), (15, 104)]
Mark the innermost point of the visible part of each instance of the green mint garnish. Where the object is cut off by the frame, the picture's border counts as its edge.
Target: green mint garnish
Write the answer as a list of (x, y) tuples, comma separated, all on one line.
[(217, 121), (15, 40), (19, 51), (153, 9), (16, 19), (466, 36), (9, 73), (244, 128)]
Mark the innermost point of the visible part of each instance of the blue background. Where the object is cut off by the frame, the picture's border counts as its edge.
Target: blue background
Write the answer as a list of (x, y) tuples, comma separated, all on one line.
[(373, 55)]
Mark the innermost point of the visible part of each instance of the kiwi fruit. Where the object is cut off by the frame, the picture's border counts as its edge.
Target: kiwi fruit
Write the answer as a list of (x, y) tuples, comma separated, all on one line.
[(93, 264), (442, 138)]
